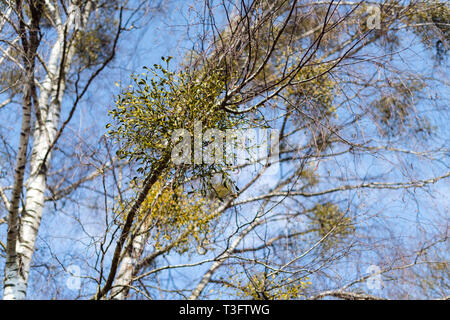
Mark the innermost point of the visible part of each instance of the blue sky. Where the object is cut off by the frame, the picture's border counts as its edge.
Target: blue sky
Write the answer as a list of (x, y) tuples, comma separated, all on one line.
[(61, 238)]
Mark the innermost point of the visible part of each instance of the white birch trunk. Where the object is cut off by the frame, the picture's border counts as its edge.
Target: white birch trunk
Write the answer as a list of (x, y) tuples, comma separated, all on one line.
[(17, 271), (127, 270)]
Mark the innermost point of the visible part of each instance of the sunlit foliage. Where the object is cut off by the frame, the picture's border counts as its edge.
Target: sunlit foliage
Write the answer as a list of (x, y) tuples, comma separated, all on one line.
[(267, 286)]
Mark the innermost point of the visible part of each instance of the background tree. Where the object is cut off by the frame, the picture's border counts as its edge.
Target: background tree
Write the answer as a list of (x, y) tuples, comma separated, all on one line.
[(317, 72), (361, 116)]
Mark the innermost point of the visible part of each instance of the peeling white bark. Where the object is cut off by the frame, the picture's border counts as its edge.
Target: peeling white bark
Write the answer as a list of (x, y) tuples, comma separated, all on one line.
[(127, 268), (18, 265)]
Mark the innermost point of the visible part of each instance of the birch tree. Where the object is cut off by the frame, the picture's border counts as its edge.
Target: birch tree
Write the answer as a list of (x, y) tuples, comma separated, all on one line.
[(47, 48), (288, 60)]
